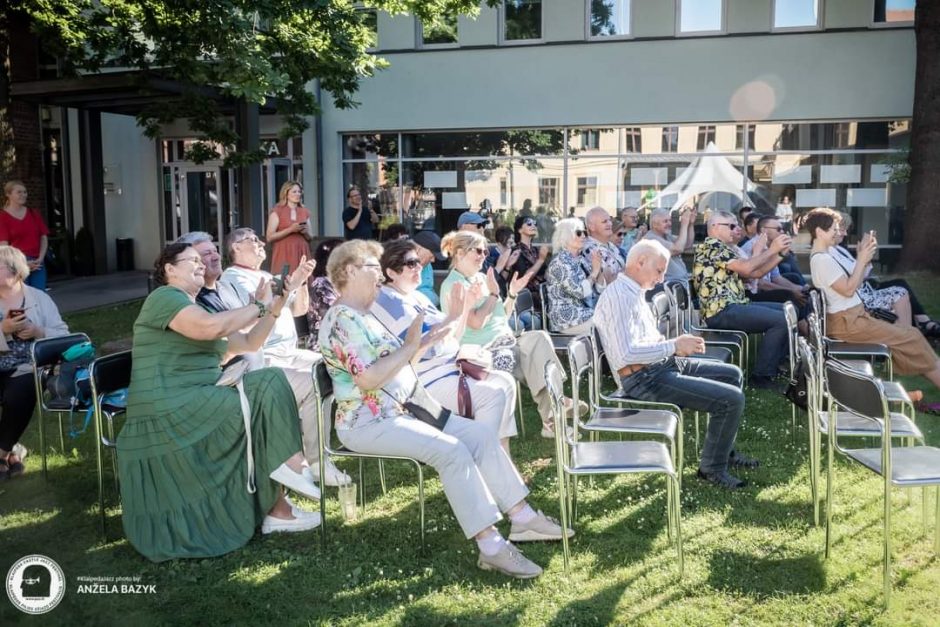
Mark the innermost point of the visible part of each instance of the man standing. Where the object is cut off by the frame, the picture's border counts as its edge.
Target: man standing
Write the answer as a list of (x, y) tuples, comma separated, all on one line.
[(357, 219), (717, 272), (652, 368), (600, 233), (661, 231), (237, 285)]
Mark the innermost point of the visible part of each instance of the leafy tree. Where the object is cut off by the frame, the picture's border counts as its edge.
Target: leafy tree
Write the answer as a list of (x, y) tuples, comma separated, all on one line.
[(602, 14), (922, 215), (260, 51)]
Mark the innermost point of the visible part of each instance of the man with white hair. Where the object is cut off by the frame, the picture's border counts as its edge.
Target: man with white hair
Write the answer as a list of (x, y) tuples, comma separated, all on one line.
[(661, 231), (718, 271), (237, 287), (208, 295), (653, 368), (600, 236)]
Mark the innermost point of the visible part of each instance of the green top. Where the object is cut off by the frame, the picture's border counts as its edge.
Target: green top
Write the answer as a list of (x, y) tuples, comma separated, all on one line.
[(498, 323)]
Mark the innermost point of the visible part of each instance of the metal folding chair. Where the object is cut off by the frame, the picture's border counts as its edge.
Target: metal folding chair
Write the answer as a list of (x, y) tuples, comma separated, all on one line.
[(559, 340), (574, 458), (666, 319), (863, 396), (323, 388), (848, 350), (736, 341), (46, 353), (108, 374)]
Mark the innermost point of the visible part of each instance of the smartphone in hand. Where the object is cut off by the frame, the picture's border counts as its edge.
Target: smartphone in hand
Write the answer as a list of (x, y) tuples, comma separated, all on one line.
[(15, 313), (277, 287)]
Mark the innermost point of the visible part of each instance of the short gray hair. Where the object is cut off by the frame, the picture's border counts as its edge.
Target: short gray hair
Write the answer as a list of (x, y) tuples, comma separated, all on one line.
[(564, 231), (234, 237), (647, 248), (721, 215), (659, 213), (15, 260), (194, 237)]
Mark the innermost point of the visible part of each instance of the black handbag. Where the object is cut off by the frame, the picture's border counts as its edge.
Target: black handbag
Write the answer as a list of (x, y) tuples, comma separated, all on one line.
[(880, 313), (422, 406)]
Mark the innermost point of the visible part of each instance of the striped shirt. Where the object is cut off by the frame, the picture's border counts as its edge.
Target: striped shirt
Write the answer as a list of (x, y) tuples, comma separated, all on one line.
[(627, 327)]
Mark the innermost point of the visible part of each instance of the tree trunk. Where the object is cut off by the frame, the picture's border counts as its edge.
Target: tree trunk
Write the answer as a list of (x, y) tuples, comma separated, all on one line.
[(922, 215)]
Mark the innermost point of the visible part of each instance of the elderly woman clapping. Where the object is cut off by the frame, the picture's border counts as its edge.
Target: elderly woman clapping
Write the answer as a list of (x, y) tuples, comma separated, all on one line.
[(28, 314), (399, 302), (373, 377), (570, 291), (487, 321)]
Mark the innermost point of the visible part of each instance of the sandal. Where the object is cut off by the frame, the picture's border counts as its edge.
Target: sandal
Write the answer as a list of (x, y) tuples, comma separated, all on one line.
[(931, 328), (14, 465)]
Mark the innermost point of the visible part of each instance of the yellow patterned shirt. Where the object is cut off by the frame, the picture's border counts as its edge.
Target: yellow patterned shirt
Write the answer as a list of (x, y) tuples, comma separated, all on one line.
[(717, 285)]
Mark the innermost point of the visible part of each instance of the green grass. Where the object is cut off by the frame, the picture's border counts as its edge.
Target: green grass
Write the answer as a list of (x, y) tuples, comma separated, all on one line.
[(752, 557)]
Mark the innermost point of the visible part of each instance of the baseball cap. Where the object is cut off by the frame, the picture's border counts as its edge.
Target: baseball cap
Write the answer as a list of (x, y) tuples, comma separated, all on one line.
[(469, 217), (431, 241)]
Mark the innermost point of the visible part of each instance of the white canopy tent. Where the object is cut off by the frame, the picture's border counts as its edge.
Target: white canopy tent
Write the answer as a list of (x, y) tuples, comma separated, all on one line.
[(710, 172)]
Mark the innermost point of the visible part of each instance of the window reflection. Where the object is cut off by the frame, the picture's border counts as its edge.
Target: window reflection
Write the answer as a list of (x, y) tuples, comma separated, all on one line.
[(609, 18), (796, 13), (522, 19), (438, 33), (893, 11), (698, 16)]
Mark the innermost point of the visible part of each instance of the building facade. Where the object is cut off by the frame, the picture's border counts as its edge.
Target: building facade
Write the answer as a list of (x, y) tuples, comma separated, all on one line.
[(555, 106)]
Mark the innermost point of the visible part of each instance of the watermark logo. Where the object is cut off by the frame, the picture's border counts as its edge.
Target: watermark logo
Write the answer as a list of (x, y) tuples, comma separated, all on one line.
[(35, 584)]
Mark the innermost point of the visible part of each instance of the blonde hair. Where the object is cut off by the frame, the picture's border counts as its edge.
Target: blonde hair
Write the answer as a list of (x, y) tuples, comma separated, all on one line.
[(285, 188), (347, 254), (9, 185), (15, 260), (460, 240)]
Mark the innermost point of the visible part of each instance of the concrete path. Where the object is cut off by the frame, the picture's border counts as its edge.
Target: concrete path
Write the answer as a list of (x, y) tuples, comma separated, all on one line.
[(95, 291)]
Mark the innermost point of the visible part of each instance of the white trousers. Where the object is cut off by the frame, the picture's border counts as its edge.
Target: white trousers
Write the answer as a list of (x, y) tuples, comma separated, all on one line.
[(478, 477), (297, 365), (494, 399)]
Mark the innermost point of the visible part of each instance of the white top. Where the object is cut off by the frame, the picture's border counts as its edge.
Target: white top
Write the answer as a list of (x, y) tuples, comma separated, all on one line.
[(627, 327), (237, 286), (784, 212), (826, 271)]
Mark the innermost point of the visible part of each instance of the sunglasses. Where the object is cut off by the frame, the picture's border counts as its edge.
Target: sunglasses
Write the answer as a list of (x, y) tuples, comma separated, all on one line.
[(621, 233), (478, 250), (411, 263), (529, 223), (730, 225), (580, 233)]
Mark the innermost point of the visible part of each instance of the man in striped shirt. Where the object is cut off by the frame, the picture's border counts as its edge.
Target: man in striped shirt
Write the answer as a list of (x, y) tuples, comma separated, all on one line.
[(653, 368)]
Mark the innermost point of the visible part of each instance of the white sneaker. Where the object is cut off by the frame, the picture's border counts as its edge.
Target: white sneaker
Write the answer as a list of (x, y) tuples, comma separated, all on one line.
[(296, 511), (334, 476), (540, 528), (300, 482), (305, 522), (20, 451), (510, 561)]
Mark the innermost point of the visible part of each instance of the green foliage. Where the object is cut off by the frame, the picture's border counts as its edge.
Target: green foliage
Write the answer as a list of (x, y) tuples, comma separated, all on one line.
[(263, 52), (899, 165)]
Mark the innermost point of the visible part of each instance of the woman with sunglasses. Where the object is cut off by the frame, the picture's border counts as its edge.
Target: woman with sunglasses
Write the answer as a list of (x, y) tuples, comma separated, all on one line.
[(571, 296), (491, 398), (373, 378), (531, 258), (487, 319)]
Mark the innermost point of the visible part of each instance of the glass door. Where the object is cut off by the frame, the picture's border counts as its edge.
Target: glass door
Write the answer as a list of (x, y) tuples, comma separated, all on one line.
[(276, 173), (201, 201)]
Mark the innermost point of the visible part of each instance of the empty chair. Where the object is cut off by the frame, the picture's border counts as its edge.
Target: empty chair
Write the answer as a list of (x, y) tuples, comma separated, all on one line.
[(109, 375), (736, 341), (863, 396), (575, 458), (663, 311)]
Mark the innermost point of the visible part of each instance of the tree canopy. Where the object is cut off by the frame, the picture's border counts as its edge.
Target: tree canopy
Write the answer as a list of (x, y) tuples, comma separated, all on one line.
[(261, 51)]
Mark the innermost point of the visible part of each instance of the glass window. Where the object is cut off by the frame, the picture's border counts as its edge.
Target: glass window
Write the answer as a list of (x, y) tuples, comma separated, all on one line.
[(609, 18), (522, 19), (796, 13), (587, 191), (893, 11), (484, 143), (706, 135), (769, 136), (549, 196), (370, 146), (590, 140), (739, 140), (670, 139), (633, 139), (439, 33), (370, 20), (701, 16)]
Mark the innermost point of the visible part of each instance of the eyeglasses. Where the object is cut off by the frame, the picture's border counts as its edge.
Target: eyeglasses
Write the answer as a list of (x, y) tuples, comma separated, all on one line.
[(621, 233), (730, 225), (580, 233), (480, 225), (411, 263), (197, 261), (478, 250), (529, 223), (377, 266), (249, 238)]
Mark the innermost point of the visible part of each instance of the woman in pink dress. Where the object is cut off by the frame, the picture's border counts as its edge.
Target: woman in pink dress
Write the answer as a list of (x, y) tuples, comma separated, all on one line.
[(287, 228)]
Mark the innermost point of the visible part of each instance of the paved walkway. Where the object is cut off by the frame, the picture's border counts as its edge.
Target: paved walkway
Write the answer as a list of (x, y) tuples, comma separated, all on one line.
[(95, 291)]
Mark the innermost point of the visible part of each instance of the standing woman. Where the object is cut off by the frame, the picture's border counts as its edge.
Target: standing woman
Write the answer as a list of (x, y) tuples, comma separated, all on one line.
[(28, 314), (25, 230), (287, 228)]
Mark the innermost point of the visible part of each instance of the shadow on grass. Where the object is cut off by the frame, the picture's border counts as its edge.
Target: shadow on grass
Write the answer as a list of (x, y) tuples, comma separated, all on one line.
[(763, 578)]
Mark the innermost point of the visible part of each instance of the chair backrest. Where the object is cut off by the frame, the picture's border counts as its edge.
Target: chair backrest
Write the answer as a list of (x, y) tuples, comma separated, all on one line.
[(48, 351), (110, 373), (789, 313), (580, 362), (554, 385), (543, 298), (322, 382), (662, 311), (818, 305), (813, 384), (524, 303), (302, 326), (857, 392)]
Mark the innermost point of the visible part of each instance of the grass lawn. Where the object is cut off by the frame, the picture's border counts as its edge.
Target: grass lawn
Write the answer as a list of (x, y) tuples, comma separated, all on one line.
[(752, 557)]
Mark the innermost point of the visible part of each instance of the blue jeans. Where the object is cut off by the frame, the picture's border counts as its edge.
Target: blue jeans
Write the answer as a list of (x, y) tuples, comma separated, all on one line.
[(758, 317), (702, 385), (37, 278)]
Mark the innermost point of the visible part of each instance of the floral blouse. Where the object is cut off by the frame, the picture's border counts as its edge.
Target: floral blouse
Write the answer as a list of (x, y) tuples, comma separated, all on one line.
[(611, 261), (716, 285), (350, 343), (570, 292)]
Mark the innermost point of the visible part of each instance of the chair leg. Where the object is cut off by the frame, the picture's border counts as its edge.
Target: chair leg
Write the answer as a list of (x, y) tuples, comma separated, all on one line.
[(61, 434), (574, 498), (887, 539), (936, 521), (697, 448), (100, 466), (42, 440), (670, 519), (521, 416), (813, 471), (677, 522), (362, 489), (382, 476), (829, 482), (421, 500)]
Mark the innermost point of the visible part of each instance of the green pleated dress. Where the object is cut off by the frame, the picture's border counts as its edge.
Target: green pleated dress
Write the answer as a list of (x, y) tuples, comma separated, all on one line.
[(182, 452)]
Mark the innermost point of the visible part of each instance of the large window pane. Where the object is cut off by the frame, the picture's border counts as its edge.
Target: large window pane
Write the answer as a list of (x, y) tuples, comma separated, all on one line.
[(661, 182), (522, 19), (796, 13), (891, 134), (700, 16), (439, 33), (887, 11), (483, 143), (370, 146), (609, 18)]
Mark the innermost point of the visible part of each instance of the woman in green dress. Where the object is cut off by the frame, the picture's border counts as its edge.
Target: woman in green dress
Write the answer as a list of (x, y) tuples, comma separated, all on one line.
[(185, 458)]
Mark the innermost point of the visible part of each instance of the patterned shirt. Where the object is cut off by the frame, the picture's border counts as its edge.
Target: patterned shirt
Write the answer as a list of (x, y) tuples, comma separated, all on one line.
[(716, 284), (570, 292), (350, 343), (528, 257), (611, 261), (627, 327)]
